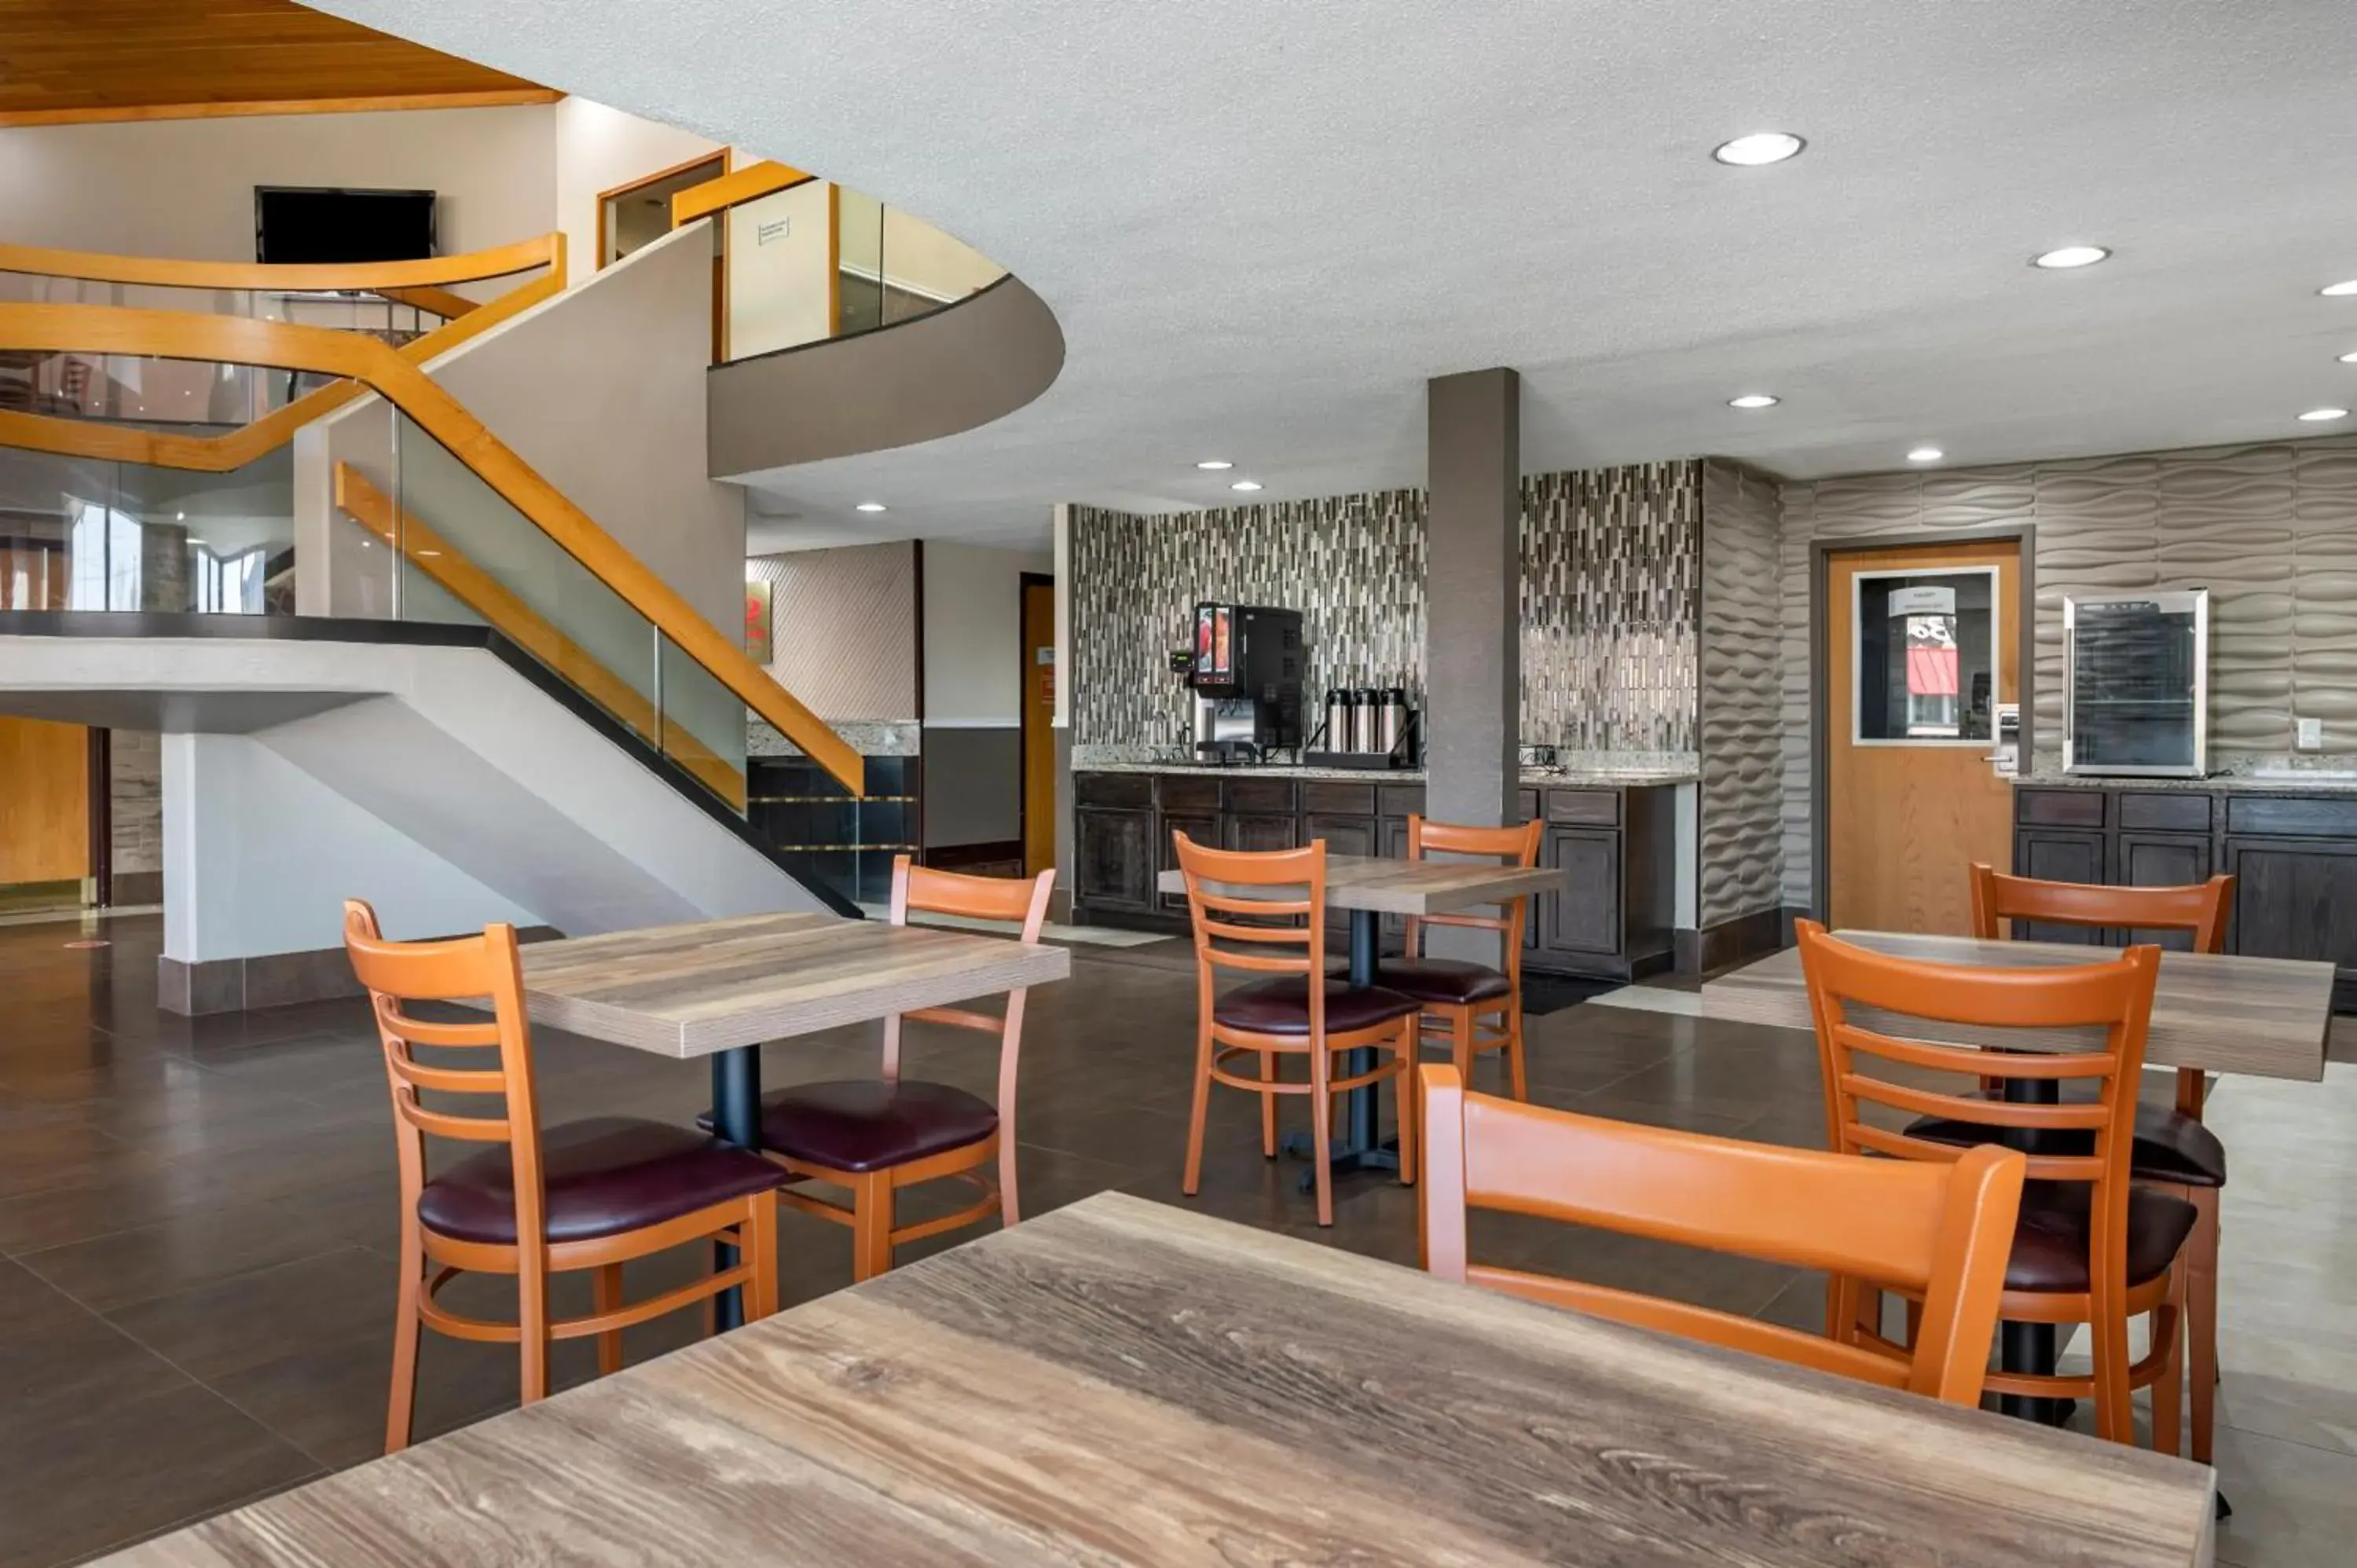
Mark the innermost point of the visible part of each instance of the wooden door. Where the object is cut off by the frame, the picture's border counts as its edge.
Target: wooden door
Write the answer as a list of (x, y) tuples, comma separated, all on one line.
[(1911, 798), (1039, 724), (43, 802)]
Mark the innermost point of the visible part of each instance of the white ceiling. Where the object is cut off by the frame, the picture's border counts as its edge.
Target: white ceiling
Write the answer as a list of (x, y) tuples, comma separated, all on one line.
[(1263, 225)]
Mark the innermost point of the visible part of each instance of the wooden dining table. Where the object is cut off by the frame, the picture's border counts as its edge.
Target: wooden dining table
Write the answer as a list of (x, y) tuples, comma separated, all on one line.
[(1120, 1383), (1370, 887), (719, 989)]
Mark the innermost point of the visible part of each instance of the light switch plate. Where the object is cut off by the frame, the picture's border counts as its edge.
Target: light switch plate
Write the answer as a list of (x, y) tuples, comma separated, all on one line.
[(2311, 735)]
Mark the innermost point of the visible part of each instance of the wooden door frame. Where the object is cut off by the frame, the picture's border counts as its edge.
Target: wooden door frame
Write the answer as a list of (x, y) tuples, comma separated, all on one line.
[(725, 156), (1821, 551), (1025, 582)]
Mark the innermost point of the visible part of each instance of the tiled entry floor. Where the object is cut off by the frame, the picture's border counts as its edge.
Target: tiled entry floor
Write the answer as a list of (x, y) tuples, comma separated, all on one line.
[(196, 1224)]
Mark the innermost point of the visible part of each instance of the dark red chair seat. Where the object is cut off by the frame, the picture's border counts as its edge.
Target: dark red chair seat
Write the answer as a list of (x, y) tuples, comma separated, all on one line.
[(1453, 980), (603, 1176), (2170, 1145), (1282, 1007), (2049, 1241), (873, 1123)]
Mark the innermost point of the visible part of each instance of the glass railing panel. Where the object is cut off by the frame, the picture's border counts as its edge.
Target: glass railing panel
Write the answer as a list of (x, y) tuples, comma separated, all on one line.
[(923, 269), (703, 724), (135, 389), (859, 261), (82, 533), (466, 556), (780, 261)]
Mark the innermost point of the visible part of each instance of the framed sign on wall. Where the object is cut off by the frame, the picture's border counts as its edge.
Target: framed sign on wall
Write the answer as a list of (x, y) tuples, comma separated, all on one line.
[(757, 621)]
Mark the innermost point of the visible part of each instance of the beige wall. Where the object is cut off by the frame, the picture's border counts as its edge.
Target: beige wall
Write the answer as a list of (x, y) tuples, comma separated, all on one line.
[(779, 257), (185, 188), (974, 633), (598, 148), (843, 628)]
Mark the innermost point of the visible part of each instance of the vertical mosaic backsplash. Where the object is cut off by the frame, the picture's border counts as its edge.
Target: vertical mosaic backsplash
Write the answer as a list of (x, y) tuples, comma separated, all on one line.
[(1610, 577)]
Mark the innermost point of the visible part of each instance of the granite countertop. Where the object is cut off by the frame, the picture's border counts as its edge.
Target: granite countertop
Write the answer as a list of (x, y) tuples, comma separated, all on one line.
[(1533, 778), (2286, 783)]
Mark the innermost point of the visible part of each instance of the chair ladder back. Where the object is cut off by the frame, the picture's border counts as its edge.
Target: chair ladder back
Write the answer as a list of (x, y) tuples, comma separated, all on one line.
[(462, 969), (1217, 883), (2199, 908), (1940, 1230), (1515, 846)]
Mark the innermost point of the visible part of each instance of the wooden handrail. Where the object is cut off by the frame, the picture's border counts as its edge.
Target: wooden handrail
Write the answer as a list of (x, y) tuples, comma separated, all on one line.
[(229, 339), (166, 272), (223, 453), (734, 189), (401, 530)]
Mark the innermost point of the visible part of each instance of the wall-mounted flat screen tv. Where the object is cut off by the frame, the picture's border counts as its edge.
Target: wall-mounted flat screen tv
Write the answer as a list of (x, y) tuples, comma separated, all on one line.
[(293, 226)]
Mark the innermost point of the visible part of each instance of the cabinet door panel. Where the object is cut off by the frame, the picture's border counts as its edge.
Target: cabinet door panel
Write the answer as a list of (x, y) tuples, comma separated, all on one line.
[(2052, 856), (1262, 831), (2287, 893), (1116, 853), (1202, 827), (1585, 917), (2163, 860)]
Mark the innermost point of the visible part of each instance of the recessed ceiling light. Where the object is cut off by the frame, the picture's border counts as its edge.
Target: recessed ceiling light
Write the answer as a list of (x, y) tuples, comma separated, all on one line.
[(2350, 357), (1214, 463), (1925, 454), (2068, 256), (1245, 484), (871, 506), (180, 517), (1758, 148), (2336, 290), (2321, 415), (1752, 400)]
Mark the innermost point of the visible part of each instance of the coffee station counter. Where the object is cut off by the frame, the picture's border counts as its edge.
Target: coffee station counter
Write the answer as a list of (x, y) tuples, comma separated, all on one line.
[(1612, 832)]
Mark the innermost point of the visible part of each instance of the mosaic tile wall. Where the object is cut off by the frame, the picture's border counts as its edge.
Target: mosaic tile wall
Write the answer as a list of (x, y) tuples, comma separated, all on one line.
[(1611, 570)]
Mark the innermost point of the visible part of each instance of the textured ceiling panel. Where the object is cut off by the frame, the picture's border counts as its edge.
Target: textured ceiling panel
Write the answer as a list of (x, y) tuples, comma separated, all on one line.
[(1263, 226)]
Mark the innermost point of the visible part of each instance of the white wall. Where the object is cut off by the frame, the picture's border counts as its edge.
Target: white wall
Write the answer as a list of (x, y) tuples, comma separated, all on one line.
[(259, 855), (598, 148), (185, 188), (780, 254), (974, 633)]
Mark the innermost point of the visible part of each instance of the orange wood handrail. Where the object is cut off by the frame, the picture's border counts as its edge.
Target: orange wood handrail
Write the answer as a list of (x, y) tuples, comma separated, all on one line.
[(228, 340), (223, 453), (734, 189), (168, 272), (401, 530)]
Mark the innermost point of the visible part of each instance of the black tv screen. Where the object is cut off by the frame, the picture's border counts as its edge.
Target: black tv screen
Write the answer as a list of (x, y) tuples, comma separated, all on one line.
[(296, 226)]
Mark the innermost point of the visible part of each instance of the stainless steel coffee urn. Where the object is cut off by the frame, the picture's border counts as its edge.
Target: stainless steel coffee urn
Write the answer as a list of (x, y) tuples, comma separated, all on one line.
[(1366, 735), (1391, 723), (1339, 705)]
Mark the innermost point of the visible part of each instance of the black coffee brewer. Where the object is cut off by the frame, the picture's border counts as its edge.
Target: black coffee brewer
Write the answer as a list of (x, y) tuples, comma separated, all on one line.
[(1246, 678)]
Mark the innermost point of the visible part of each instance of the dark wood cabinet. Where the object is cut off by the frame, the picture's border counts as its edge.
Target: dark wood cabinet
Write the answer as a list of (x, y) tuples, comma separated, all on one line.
[(2293, 857), (1585, 917), (1115, 848), (2061, 854), (1618, 848)]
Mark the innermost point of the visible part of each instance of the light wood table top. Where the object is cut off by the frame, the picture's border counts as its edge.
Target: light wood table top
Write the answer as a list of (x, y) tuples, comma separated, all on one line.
[(1403, 887), (715, 985), (2217, 1012), (1121, 1382)]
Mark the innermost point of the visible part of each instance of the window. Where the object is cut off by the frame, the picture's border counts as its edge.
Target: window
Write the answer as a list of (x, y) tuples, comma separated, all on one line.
[(1926, 656)]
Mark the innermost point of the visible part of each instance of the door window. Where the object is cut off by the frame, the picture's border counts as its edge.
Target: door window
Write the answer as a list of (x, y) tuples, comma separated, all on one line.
[(1925, 657)]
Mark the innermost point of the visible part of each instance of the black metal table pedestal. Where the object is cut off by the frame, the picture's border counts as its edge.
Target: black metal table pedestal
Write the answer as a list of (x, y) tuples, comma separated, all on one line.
[(736, 1116), (1359, 1143)]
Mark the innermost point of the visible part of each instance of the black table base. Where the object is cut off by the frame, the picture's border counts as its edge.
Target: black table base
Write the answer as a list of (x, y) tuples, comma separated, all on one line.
[(1358, 1143), (736, 1116)]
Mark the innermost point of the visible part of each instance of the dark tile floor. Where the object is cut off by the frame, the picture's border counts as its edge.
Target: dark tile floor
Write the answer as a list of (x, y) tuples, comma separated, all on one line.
[(197, 1219)]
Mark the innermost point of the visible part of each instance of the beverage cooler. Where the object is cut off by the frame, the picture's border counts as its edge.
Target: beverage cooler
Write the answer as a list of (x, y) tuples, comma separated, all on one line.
[(2137, 684)]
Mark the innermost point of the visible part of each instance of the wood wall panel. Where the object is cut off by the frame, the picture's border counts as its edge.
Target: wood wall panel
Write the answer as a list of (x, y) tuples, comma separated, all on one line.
[(69, 61), (44, 801)]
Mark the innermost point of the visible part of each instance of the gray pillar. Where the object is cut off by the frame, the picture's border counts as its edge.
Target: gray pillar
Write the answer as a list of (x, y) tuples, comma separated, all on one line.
[(1472, 637)]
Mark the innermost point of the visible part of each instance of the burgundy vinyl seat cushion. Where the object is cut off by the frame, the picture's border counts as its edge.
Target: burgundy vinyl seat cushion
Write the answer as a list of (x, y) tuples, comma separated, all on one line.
[(2049, 1241), (873, 1123), (1282, 1006), (2170, 1145), (603, 1176), (1445, 980)]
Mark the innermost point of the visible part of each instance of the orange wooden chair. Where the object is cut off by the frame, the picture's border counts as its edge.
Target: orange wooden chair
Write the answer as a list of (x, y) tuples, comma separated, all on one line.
[(2091, 1246), (2172, 1150), (1941, 1232), (588, 1194), (1283, 894), (1471, 1007), (876, 1135)]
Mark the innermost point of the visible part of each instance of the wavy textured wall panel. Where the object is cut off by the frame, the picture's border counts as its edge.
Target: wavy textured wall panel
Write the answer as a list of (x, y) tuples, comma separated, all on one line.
[(2271, 530), (1742, 701), (843, 628)]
